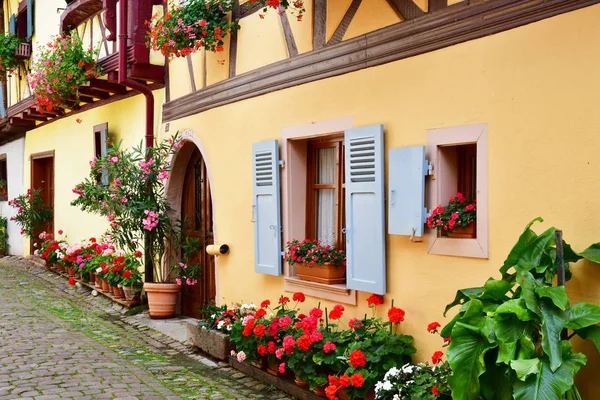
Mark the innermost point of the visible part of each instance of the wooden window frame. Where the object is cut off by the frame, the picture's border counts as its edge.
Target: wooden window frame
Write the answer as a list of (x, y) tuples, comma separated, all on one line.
[(444, 182), (294, 145), (4, 160), (22, 20), (98, 144), (313, 146)]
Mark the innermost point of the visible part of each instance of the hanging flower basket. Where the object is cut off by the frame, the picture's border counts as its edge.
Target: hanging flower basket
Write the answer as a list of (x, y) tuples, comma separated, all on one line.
[(62, 67), (196, 24), (8, 54)]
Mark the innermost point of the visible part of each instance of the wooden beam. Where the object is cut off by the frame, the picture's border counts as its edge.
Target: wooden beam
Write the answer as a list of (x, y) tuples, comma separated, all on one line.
[(288, 34), (98, 94), (191, 72), (320, 24), (339, 33), (21, 122), (436, 5), (233, 39), (407, 9), (107, 86), (148, 72), (86, 99), (33, 117), (248, 8)]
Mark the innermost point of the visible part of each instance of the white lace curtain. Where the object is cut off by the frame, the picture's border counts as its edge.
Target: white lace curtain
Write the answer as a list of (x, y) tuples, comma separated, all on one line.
[(326, 197)]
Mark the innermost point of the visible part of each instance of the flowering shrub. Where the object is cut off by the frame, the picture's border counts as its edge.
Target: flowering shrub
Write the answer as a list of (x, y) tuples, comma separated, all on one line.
[(222, 319), (135, 203), (8, 60), (186, 272), (421, 381), (199, 24), (457, 213), (61, 68), (32, 212), (49, 248), (311, 252)]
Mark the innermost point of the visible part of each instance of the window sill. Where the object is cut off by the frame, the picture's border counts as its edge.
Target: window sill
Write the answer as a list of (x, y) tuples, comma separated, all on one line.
[(338, 293), (458, 247), (4, 197)]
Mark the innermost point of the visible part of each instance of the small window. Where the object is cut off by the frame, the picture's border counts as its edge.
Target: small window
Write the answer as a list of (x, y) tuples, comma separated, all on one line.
[(3, 179), (325, 191), (22, 20), (101, 149), (459, 156)]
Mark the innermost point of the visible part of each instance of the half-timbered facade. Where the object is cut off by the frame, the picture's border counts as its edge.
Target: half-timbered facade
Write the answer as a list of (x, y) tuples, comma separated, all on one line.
[(350, 125)]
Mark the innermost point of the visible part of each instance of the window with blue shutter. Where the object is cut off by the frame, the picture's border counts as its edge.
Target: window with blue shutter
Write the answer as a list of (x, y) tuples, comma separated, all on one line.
[(406, 185), (266, 208), (29, 20), (365, 210), (12, 24)]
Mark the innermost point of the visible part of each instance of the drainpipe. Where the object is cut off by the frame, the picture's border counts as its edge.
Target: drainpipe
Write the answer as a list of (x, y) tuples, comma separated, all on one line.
[(145, 90)]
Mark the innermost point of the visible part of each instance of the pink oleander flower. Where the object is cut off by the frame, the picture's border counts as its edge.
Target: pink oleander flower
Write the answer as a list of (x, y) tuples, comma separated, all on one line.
[(178, 281)]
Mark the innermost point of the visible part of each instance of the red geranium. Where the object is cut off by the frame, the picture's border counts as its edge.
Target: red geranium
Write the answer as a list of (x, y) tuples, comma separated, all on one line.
[(271, 347), (283, 300), (396, 315), (262, 350), (432, 327), (358, 359), (447, 339), (436, 357), (345, 381), (375, 300), (304, 342), (357, 380), (260, 330), (299, 296), (260, 313), (435, 391), (330, 392), (126, 274), (316, 312), (273, 329), (71, 281), (337, 312), (265, 303), (333, 380)]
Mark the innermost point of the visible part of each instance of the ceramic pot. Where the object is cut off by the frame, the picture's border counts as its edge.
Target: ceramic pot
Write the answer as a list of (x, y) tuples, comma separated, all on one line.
[(115, 292), (162, 299), (300, 382), (327, 273), (98, 282), (105, 286), (319, 390), (92, 276)]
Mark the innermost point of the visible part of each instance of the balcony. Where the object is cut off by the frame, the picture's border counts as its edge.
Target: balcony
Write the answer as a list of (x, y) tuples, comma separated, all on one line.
[(98, 27)]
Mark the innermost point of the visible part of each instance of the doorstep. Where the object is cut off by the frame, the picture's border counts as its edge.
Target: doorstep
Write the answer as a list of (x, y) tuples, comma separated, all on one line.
[(175, 328)]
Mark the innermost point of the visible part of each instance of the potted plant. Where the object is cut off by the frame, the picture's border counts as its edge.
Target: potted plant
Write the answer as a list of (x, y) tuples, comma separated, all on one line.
[(132, 282), (211, 334), (456, 219), (317, 262), (62, 67), (3, 188), (8, 59), (140, 216), (196, 24), (420, 381), (3, 236), (32, 213)]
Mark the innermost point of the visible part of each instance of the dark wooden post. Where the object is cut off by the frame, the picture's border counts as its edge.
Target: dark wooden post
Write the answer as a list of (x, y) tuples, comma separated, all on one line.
[(560, 270), (3, 87)]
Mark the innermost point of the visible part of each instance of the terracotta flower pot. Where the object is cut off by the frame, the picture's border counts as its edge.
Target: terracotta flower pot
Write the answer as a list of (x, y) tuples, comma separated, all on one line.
[(464, 232), (92, 278), (273, 368), (327, 273), (162, 299), (98, 282), (105, 286), (262, 363), (59, 267), (90, 71), (70, 272), (300, 382), (319, 390)]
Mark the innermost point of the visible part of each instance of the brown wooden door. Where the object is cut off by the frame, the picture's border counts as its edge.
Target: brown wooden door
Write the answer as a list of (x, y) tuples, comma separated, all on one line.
[(42, 178), (197, 213)]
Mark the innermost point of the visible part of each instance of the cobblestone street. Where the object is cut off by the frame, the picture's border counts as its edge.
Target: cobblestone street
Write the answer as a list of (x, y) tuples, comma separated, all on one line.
[(58, 342)]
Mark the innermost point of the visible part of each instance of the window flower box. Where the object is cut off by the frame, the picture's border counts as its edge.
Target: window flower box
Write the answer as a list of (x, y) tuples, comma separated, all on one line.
[(327, 273), (317, 262)]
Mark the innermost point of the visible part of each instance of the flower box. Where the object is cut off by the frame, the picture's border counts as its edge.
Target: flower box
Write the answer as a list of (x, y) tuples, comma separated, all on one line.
[(464, 232), (327, 273), (214, 343)]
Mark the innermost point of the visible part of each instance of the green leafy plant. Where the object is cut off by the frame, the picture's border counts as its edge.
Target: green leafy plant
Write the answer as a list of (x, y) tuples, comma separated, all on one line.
[(510, 338), (421, 381), (186, 272), (3, 235), (8, 60), (32, 212), (459, 212)]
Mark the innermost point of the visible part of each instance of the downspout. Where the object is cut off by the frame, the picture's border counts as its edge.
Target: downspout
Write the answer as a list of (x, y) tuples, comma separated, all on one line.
[(145, 90)]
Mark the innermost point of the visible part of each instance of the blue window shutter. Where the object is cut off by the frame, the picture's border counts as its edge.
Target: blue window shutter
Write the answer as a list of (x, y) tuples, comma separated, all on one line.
[(12, 24), (2, 108), (266, 208), (29, 19), (365, 209), (104, 153), (406, 186)]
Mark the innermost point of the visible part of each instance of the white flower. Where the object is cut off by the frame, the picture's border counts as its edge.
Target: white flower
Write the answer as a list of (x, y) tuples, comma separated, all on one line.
[(396, 397), (98, 270), (387, 385), (36, 253), (220, 324), (228, 327), (213, 316)]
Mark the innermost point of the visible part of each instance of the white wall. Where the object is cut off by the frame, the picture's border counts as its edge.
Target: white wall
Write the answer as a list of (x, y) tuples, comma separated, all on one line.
[(15, 156)]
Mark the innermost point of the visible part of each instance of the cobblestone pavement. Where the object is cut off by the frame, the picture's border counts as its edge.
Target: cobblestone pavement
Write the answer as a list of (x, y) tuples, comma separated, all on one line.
[(59, 342)]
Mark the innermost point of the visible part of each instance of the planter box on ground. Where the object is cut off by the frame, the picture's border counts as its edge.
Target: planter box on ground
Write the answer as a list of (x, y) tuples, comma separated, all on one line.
[(214, 343)]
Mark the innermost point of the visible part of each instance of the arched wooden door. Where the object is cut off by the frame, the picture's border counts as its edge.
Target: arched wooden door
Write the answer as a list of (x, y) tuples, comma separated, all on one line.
[(196, 209)]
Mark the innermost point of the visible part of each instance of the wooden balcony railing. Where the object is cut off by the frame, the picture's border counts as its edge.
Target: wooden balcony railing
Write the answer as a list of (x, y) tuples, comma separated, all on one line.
[(23, 51)]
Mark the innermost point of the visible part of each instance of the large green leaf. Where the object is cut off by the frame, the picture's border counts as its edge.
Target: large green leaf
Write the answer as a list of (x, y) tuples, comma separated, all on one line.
[(592, 253), (496, 289), (552, 325), (528, 286), (517, 307), (507, 352), (447, 329), (535, 250), (526, 348), (524, 368), (470, 342), (495, 381), (582, 315), (548, 385), (462, 296), (557, 294), (513, 257), (509, 328), (592, 333)]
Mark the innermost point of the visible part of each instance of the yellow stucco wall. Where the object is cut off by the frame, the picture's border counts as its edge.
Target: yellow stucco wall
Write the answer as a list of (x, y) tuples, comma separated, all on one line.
[(535, 86), (73, 144)]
